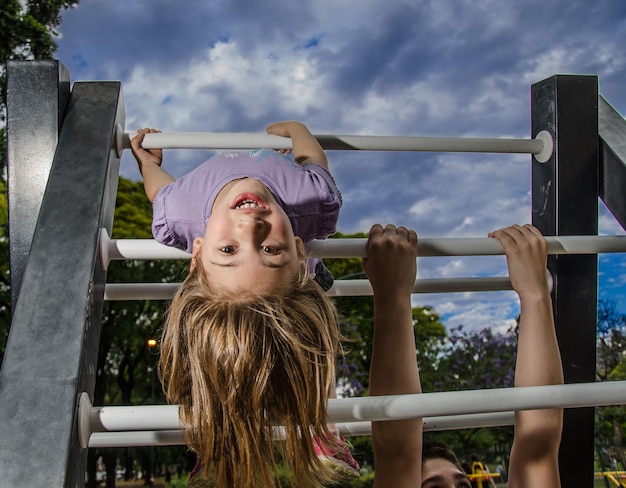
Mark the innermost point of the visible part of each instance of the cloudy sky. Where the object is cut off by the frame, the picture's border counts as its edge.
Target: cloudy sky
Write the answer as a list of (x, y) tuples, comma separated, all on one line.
[(400, 67)]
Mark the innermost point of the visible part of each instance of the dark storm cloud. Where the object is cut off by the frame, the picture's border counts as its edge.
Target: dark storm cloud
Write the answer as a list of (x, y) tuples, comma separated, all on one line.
[(165, 33), (374, 50)]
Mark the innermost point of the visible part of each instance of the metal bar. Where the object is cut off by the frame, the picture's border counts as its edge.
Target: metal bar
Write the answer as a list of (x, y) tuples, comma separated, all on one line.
[(165, 291), (565, 193), (149, 249), (132, 426), (470, 246), (393, 407), (205, 140), (32, 137), (174, 437), (52, 350), (398, 407), (612, 129), (136, 439)]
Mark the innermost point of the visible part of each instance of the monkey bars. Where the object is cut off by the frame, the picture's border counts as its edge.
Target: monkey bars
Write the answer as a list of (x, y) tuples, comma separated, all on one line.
[(451, 409), (541, 146)]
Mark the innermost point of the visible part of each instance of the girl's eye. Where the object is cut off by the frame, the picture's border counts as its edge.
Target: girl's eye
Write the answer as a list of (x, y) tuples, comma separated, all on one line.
[(227, 249), (270, 250)]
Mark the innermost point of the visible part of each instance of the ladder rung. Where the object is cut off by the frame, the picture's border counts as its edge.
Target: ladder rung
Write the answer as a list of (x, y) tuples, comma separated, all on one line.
[(174, 437), (353, 288), (228, 140), (148, 249), (381, 408)]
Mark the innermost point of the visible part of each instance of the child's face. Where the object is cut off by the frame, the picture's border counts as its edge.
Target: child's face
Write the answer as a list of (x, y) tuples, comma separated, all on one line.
[(441, 473), (249, 242)]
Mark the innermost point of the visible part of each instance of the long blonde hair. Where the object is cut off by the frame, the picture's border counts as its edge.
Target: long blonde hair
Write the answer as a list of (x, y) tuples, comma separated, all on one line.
[(239, 365)]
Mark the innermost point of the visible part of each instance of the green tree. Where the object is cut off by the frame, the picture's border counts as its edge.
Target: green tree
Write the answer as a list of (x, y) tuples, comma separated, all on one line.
[(357, 320), (471, 360), (126, 373), (611, 366), (430, 338)]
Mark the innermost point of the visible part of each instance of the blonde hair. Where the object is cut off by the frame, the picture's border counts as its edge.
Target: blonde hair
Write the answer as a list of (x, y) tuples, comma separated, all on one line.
[(239, 365)]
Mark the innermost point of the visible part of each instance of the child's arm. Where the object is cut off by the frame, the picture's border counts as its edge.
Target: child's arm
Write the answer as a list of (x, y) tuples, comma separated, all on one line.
[(534, 456), (391, 269), (306, 149), (149, 162)]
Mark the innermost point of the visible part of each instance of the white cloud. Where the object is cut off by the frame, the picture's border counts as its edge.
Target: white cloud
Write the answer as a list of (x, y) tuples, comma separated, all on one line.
[(255, 85), (607, 223), (497, 310)]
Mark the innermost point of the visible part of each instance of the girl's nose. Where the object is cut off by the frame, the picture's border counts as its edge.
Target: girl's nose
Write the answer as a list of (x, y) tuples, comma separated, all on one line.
[(252, 223)]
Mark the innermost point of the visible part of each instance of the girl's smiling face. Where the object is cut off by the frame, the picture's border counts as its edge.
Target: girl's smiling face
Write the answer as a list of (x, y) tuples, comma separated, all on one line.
[(249, 244)]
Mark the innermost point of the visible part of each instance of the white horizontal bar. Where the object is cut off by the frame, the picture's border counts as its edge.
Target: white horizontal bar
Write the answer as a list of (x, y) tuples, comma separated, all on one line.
[(137, 439), (469, 421), (398, 407), (137, 417), (469, 246), (382, 408), (352, 288), (227, 140), (395, 407), (174, 437), (148, 249)]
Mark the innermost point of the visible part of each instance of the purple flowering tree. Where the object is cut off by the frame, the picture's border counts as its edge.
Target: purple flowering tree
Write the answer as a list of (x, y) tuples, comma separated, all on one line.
[(611, 366), (471, 360)]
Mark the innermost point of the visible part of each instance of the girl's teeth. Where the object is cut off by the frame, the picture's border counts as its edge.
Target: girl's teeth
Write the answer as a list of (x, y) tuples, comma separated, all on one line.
[(248, 205)]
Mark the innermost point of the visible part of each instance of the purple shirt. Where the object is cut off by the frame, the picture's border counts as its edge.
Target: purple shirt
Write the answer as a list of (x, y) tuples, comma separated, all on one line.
[(307, 194)]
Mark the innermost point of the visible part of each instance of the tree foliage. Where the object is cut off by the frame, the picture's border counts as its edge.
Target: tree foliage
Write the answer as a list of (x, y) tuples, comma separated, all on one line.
[(611, 366), (472, 360), (357, 319), (126, 373), (28, 27), (611, 345)]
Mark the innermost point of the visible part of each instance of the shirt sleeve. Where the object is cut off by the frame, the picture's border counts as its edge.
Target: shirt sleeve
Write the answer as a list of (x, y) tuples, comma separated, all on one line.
[(161, 229), (330, 202)]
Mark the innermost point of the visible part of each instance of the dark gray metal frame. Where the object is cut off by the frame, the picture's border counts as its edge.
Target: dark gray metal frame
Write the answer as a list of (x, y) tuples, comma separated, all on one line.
[(612, 127), (52, 349), (565, 202), (33, 133)]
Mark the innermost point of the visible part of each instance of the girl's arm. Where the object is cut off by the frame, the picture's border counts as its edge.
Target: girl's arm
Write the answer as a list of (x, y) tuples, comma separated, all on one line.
[(534, 456), (391, 269), (306, 149), (149, 162)]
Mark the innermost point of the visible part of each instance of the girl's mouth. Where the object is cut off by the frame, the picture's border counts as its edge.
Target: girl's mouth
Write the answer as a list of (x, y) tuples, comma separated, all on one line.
[(249, 201)]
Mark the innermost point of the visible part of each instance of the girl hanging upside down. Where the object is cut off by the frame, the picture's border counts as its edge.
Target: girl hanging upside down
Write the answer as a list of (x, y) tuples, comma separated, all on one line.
[(251, 338)]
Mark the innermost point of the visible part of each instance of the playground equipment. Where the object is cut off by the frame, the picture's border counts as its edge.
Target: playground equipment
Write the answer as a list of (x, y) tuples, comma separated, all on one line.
[(59, 283)]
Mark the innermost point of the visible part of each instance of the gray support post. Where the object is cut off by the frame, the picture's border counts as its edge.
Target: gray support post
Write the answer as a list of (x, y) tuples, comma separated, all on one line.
[(32, 139), (612, 127), (52, 349), (565, 202)]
